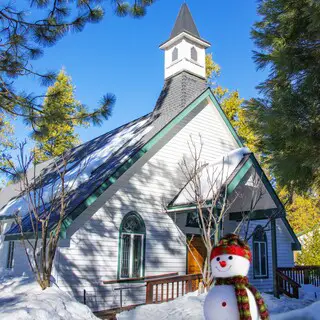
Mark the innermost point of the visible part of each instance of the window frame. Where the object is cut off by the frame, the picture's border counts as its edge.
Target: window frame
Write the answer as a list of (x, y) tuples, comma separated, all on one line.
[(175, 54), (142, 234), (262, 241), (194, 52), (10, 254)]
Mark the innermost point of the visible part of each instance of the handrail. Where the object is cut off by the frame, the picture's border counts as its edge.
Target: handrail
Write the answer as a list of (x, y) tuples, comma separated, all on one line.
[(159, 276), (286, 285), (303, 274), (299, 268), (175, 278), (286, 278), (166, 289)]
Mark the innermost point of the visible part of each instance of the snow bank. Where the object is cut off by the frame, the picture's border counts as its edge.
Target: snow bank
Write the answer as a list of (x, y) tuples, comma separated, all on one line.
[(190, 307), (23, 299)]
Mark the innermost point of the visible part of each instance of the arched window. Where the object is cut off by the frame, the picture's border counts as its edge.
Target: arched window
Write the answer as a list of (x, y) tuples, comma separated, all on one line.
[(194, 54), (132, 246), (260, 253), (175, 54)]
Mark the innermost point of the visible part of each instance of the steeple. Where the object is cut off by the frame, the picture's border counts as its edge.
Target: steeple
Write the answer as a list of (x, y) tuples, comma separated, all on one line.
[(185, 49), (185, 23)]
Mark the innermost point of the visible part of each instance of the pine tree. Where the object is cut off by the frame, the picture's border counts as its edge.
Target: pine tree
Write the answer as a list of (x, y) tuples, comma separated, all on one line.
[(303, 210), (286, 119), (55, 132), (27, 27)]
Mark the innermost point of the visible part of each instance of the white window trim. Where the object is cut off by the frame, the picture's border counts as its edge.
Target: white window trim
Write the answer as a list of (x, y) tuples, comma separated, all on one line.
[(131, 254), (10, 255), (260, 274)]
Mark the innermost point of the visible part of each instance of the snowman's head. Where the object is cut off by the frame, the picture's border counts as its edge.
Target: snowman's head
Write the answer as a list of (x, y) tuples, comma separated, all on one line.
[(230, 258), (229, 265)]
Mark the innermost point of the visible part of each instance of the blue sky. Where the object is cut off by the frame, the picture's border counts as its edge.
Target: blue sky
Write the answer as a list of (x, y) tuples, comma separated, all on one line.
[(121, 56)]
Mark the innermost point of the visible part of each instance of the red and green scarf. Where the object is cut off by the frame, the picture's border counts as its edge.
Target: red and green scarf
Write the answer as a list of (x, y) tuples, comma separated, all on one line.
[(240, 284)]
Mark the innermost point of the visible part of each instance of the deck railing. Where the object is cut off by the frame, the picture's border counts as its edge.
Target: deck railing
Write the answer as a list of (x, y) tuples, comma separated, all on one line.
[(303, 274), (167, 289), (290, 279), (286, 285)]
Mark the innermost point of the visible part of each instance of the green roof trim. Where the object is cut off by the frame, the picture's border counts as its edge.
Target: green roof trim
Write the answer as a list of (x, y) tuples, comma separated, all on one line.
[(296, 245), (254, 215), (154, 140), (225, 119), (207, 94), (239, 176)]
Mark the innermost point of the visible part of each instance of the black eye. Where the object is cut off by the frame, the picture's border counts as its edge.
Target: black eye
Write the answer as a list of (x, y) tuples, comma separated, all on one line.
[(230, 257), (218, 259)]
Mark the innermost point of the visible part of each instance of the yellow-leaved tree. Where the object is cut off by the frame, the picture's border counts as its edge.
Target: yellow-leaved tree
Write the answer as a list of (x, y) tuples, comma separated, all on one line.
[(7, 144), (231, 103), (55, 132)]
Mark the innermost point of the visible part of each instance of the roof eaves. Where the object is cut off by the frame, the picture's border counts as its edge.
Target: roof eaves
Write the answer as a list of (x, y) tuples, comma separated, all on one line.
[(131, 161)]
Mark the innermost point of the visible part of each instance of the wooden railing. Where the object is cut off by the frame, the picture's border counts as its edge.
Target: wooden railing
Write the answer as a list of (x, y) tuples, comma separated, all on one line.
[(286, 285), (289, 280), (158, 276), (166, 289), (303, 274)]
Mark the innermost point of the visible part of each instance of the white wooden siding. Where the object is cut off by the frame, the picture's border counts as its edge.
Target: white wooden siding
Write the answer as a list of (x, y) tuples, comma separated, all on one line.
[(284, 246), (146, 188), (265, 284)]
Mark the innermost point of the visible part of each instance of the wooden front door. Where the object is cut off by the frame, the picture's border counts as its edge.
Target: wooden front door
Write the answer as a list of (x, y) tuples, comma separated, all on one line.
[(196, 255)]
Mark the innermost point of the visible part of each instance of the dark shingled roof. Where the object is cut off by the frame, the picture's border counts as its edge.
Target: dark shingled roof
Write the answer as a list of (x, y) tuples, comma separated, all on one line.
[(185, 23), (177, 93)]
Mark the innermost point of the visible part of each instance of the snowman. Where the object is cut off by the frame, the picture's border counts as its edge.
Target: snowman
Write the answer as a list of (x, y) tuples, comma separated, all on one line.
[(232, 297)]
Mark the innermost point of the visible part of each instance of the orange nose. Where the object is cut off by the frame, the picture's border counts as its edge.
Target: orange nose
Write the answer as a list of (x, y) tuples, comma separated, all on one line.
[(222, 264)]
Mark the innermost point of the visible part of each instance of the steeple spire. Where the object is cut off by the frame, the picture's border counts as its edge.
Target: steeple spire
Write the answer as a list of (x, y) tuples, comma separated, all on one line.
[(185, 49), (184, 23)]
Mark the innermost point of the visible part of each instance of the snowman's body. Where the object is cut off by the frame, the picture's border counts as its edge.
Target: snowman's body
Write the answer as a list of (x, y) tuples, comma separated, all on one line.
[(221, 302)]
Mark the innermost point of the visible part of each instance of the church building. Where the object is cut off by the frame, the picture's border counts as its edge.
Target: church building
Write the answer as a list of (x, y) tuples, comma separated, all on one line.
[(129, 217)]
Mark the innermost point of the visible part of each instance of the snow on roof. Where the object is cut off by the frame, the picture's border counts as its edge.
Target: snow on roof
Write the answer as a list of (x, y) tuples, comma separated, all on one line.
[(121, 143), (212, 177), (87, 162)]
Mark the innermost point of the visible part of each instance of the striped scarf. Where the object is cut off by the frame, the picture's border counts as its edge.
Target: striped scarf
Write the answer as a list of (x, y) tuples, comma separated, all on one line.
[(240, 284)]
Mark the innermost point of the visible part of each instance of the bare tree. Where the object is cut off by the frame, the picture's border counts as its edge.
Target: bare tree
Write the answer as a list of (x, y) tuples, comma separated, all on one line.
[(45, 203), (206, 188)]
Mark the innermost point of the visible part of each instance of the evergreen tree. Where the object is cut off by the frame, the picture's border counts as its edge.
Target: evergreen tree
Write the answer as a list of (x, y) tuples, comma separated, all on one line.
[(27, 27), (303, 210), (286, 119), (310, 253), (61, 113)]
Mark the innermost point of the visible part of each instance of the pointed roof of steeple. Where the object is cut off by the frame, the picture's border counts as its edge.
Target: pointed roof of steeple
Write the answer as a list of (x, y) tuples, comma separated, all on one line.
[(185, 23)]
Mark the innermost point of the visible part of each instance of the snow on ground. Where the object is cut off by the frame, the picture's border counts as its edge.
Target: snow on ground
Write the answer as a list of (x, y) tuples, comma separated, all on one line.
[(23, 299), (190, 307)]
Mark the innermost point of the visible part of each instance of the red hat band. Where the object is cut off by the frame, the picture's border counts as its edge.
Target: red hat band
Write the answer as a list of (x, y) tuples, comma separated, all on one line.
[(233, 249)]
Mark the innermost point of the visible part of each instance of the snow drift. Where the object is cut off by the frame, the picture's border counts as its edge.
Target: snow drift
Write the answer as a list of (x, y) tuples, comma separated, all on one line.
[(190, 307), (23, 299)]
